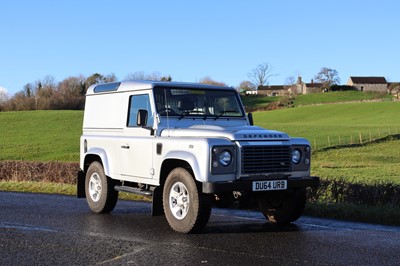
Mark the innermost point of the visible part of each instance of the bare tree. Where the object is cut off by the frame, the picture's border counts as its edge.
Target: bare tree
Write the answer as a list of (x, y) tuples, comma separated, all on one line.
[(246, 85), (260, 75), (155, 76), (3, 95), (210, 81), (290, 85), (327, 77), (70, 93), (394, 88), (44, 90), (138, 75)]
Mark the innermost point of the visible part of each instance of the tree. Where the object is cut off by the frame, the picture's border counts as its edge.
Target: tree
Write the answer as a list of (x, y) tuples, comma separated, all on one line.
[(394, 88), (291, 85), (166, 78), (260, 75), (138, 75), (3, 95), (70, 93), (44, 90), (29, 90), (155, 76), (99, 78), (246, 85), (3, 98), (327, 77), (210, 81)]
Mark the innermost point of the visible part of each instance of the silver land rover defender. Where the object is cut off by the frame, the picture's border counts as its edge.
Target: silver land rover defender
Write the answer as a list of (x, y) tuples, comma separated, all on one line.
[(188, 146)]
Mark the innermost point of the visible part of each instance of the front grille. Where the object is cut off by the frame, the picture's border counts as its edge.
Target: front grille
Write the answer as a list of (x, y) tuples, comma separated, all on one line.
[(265, 159)]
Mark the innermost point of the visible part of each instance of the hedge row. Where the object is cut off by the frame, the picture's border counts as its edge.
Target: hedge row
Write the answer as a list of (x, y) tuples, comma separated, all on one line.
[(57, 172), (338, 191)]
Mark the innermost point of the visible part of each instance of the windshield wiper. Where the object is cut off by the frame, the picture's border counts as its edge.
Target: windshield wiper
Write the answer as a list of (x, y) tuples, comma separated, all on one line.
[(224, 112), (193, 112), (183, 114)]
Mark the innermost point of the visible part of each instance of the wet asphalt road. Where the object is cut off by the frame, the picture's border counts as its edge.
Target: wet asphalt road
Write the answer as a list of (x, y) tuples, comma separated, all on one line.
[(38, 229)]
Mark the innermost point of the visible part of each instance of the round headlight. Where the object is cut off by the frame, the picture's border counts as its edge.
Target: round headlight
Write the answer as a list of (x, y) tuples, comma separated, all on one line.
[(225, 158), (296, 156)]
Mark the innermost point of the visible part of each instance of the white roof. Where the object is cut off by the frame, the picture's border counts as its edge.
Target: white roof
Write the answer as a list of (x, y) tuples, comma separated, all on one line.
[(135, 85)]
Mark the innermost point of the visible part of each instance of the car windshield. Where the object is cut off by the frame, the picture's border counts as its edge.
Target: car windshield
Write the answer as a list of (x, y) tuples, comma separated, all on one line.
[(182, 102)]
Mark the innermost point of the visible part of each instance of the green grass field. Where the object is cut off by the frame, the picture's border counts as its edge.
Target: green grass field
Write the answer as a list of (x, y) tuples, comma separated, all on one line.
[(40, 135), (338, 96), (335, 124), (368, 164)]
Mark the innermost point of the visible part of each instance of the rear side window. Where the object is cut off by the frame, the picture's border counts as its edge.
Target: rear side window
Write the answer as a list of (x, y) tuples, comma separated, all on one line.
[(107, 87), (137, 102)]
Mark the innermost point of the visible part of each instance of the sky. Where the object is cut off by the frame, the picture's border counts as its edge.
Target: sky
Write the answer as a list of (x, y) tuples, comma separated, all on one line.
[(190, 40)]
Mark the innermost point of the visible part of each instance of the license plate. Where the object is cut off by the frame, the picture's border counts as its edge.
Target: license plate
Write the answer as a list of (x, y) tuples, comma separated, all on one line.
[(269, 185)]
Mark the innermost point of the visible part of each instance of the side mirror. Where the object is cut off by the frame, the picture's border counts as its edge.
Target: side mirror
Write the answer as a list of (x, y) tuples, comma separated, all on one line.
[(141, 119), (250, 117)]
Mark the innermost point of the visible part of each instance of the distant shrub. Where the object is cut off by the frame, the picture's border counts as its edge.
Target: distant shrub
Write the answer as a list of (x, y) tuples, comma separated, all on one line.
[(342, 88)]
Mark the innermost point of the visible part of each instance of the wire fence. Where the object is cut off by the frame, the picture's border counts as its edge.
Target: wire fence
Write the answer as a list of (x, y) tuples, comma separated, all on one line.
[(355, 139)]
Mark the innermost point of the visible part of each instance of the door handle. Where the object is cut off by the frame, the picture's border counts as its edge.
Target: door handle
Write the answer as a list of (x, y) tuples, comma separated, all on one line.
[(125, 146)]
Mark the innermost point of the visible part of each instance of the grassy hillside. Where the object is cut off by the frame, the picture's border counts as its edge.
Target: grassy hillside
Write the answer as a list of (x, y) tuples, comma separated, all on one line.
[(339, 96), (40, 135), (259, 102), (335, 123), (369, 164)]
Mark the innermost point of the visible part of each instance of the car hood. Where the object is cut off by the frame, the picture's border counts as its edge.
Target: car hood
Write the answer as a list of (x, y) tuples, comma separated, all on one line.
[(239, 133)]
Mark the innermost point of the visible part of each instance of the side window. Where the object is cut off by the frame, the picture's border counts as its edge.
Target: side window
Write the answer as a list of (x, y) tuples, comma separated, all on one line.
[(137, 102)]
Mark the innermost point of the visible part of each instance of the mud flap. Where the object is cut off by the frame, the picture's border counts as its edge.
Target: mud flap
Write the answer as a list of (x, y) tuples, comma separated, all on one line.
[(157, 208), (80, 185)]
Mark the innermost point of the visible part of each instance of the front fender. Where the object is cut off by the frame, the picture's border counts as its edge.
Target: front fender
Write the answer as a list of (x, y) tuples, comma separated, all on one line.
[(191, 159)]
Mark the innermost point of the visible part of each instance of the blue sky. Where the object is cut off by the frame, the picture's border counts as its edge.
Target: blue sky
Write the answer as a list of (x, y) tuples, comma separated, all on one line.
[(189, 40)]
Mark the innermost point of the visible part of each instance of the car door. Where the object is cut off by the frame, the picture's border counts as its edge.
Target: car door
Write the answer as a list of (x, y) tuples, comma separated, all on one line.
[(137, 144)]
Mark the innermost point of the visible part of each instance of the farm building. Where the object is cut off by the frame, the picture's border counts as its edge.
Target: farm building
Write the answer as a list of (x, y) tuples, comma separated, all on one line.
[(305, 88), (368, 83), (272, 90)]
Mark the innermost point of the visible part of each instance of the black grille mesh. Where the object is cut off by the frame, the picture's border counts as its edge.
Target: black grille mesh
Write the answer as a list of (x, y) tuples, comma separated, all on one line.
[(265, 159)]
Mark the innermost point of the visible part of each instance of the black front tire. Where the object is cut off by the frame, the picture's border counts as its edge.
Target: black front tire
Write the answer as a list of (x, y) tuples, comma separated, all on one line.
[(283, 207), (100, 193), (186, 208)]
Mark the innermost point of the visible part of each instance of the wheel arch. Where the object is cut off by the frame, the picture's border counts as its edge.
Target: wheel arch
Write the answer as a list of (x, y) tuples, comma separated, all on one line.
[(169, 164), (183, 159), (81, 176), (99, 155)]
